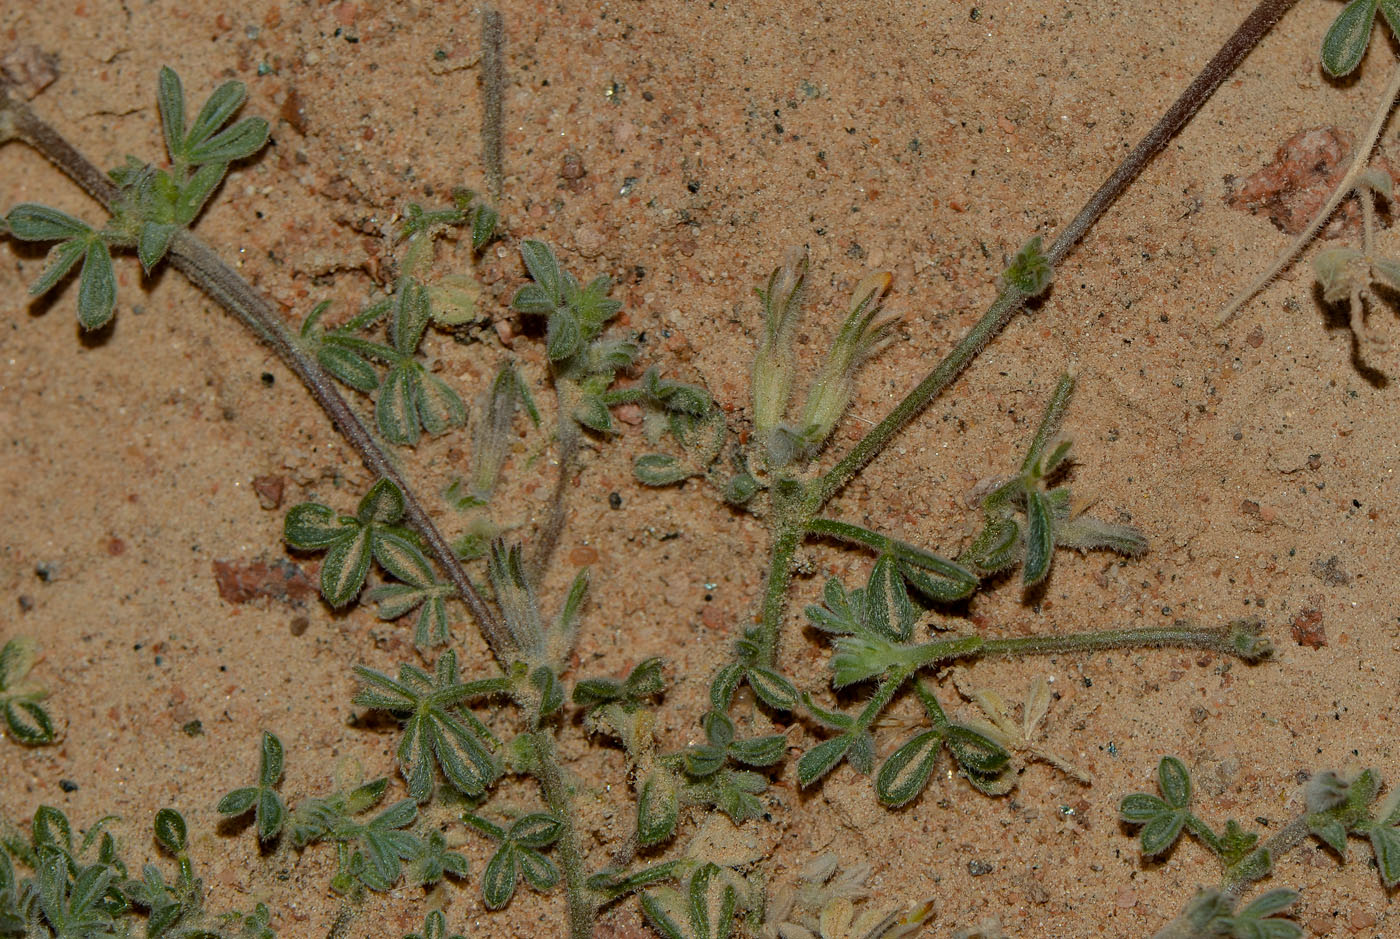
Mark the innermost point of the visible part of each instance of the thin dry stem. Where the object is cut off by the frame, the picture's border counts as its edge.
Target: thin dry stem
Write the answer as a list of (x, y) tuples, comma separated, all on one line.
[(1344, 188)]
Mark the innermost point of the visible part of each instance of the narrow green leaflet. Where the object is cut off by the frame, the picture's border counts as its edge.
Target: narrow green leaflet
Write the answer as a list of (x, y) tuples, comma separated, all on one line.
[(1345, 43), (905, 774)]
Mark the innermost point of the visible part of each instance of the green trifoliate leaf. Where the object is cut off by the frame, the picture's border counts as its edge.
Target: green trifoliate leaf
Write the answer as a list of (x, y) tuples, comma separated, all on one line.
[(759, 751), (538, 870), (241, 140), (395, 410), (536, 830), (772, 688), (62, 258), (410, 312), (28, 722), (439, 407), (703, 760), (563, 336), (996, 547), (195, 193), (269, 760), (347, 367), (311, 525), (382, 505), (221, 106), (532, 298), (484, 222), (499, 878), (1331, 833), (345, 567), (170, 831), (1175, 782), (592, 412), (822, 759), (976, 752)]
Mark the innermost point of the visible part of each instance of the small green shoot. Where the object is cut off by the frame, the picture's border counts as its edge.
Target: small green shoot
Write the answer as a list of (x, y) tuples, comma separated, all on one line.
[(1047, 517), (519, 854), (437, 731), (263, 799), (75, 893), (702, 908), (26, 719), (152, 204)]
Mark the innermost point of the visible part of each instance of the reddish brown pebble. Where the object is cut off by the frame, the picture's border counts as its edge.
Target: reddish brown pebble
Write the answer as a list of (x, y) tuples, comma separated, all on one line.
[(1307, 629), (241, 581), (269, 490), (294, 111), (583, 555), (1294, 187)]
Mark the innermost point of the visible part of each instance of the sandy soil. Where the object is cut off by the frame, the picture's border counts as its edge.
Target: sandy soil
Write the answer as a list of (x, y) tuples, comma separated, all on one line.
[(927, 139)]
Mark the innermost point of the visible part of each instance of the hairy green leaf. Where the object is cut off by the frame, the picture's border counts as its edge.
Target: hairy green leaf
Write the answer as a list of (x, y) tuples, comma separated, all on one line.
[(905, 774), (1347, 38)]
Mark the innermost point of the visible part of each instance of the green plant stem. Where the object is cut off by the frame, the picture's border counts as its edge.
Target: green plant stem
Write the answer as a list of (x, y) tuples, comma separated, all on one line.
[(1292, 834), (1203, 831), (1010, 300), (785, 537), (493, 40), (884, 694), (943, 651), (559, 796), (207, 271), (1176, 637), (775, 589)]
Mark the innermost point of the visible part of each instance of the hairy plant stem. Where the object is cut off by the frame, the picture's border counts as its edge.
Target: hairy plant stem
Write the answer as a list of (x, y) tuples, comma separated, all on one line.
[(1146, 637), (1360, 157), (944, 651), (207, 271), (493, 83), (1007, 303), (1292, 834), (884, 693), (559, 796)]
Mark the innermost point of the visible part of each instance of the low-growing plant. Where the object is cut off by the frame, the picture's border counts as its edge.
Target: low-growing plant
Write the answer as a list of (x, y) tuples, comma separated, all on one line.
[(467, 725), (26, 718), (73, 891)]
